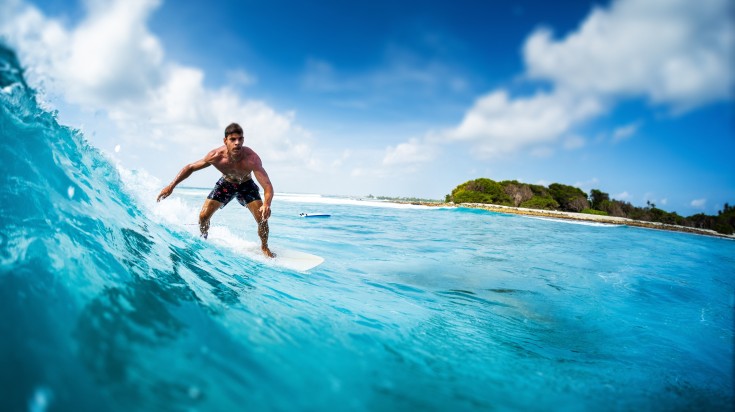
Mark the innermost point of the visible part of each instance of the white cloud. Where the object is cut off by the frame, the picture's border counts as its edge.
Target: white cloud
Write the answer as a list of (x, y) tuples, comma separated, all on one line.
[(346, 154), (112, 55), (673, 52), (624, 132), (370, 172), (45, 40), (574, 142), (411, 152), (542, 152), (698, 203), (240, 77), (499, 124), (320, 76), (622, 196), (402, 72), (111, 62)]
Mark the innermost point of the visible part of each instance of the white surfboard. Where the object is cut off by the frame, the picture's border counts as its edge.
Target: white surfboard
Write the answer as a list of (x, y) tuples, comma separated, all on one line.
[(288, 258), (293, 259)]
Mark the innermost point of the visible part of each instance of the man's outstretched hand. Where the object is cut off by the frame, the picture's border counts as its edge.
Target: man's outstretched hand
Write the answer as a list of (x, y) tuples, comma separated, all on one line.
[(165, 192)]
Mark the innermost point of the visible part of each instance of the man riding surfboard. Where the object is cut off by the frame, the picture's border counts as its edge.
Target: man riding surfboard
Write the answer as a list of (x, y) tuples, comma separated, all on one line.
[(238, 165)]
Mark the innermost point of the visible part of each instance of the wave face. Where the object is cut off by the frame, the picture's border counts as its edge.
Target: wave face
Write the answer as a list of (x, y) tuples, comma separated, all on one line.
[(109, 301), (102, 308)]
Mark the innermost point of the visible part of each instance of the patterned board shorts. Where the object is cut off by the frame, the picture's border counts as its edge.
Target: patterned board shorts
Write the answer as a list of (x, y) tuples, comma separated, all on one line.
[(224, 191)]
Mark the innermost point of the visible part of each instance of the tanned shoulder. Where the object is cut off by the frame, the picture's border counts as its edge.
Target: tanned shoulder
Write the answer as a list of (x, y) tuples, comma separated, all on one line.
[(213, 155), (252, 156), (254, 161)]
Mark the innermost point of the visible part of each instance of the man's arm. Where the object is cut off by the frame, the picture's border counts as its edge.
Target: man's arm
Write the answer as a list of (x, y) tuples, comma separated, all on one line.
[(183, 174), (262, 176)]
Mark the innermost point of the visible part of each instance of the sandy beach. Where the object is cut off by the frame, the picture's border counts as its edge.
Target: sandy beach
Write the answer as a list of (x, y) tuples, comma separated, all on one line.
[(556, 214)]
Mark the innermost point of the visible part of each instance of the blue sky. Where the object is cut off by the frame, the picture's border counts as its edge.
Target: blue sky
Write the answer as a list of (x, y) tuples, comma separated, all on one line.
[(633, 97)]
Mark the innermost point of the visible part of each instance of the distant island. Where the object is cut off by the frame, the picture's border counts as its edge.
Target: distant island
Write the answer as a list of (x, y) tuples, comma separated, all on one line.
[(565, 198), (569, 202)]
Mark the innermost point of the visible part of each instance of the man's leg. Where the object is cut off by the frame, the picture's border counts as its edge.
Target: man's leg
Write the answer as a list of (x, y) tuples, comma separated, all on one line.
[(263, 229), (210, 206)]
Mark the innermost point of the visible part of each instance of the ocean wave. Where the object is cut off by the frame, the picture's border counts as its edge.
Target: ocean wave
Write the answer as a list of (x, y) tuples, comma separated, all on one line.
[(90, 270)]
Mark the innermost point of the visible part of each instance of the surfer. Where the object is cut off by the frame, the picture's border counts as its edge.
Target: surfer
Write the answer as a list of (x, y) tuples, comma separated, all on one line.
[(238, 164)]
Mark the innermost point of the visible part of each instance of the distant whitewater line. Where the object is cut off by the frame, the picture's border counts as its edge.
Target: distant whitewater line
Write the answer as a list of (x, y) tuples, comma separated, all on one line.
[(575, 222), (316, 199)]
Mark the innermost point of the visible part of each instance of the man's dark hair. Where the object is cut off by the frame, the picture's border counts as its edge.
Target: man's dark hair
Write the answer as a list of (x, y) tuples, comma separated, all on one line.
[(233, 128)]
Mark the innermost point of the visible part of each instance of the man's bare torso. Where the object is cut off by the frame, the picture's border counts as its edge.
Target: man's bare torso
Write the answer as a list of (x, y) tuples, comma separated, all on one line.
[(236, 168)]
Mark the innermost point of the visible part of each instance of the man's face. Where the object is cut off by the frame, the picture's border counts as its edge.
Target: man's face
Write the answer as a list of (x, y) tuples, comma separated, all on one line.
[(234, 142)]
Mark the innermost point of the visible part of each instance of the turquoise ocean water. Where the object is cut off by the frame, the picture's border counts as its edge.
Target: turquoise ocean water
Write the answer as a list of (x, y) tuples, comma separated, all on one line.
[(110, 302)]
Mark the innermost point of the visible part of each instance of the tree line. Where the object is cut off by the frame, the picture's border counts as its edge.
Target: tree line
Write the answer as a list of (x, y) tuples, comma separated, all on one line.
[(567, 198)]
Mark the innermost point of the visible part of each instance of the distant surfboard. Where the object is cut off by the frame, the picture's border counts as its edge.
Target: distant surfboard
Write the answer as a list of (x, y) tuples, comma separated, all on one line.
[(314, 215)]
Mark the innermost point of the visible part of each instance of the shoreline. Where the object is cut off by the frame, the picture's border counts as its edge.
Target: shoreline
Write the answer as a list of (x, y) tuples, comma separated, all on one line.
[(557, 214)]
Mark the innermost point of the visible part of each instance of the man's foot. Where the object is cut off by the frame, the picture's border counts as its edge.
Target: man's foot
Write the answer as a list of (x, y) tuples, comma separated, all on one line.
[(268, 252), (204, 236)]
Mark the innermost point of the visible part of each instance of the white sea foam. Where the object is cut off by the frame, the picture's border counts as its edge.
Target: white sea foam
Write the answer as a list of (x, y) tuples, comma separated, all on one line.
[(145, 188), (313, 199), (338, 200), (223, 236), (572, 222)]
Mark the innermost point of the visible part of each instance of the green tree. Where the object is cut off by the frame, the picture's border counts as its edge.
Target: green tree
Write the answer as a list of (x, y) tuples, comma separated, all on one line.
[(517, 192), (470, 196), (480, 190), (597, 197), (539, 202), (570, 198), (725, 220)]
